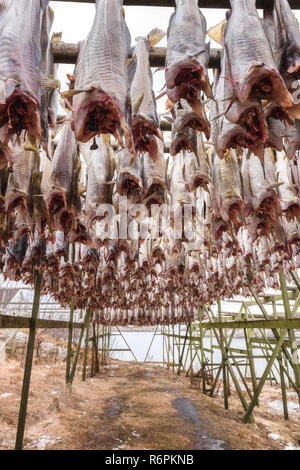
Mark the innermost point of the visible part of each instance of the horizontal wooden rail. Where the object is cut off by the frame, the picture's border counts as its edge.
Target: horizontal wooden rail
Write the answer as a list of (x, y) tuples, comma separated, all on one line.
[(268, 324), (202, 3), (9, 321), (66, 53)]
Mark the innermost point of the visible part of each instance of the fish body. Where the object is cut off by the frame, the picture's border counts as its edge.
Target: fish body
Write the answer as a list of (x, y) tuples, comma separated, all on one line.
[(58, 199), (251, 62), (197, 167), (99, 174), (145, 122), (129, 173), (228, 188), (187, 54), (290, 28), (292, 140), (101, 79), (290, 203), (264, 199), (185, 139), (48, 72), (154, 178), (18, 191), (20, 61), (247, 125)]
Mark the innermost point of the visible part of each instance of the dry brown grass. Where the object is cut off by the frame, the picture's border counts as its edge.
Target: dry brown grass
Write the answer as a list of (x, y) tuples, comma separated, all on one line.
[(128, 406)]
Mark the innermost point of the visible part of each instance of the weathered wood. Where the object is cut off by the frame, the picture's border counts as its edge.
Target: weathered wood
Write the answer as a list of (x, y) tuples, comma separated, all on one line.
[(259, 387), (76, 356), (66, 53), (202, 3), (70, 337), (86, 347), (10, 321), (28, 363)]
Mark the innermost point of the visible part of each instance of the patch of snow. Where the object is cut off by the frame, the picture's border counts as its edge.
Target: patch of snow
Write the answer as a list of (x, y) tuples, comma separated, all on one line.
[(277, 405), (44, 441), (274, 436), (291, 446)]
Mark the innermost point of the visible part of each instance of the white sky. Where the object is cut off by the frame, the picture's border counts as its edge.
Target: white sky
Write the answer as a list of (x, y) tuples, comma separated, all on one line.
[(75, 21)]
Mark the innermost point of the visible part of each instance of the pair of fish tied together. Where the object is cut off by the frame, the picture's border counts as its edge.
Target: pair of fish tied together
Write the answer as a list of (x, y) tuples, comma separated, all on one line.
[(93, 201)]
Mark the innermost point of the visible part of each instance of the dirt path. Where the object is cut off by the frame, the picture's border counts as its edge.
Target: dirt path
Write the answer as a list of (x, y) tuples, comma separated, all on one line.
[(131, 406)]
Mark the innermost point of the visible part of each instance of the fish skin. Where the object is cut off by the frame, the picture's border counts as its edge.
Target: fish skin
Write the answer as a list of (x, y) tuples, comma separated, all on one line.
[(179, 191), (251, 62), (187, 54), (197, 167), (290, 203), (269, 167), (99, 173), (49, 95), (247, 193), (276, 132), (145, 122), (226, 134), (275, 32), (264, 200), (292, 140), (20, 61), (58, 199), (228, 189), (102, 69), (19, 183), (250, 115), (154, 178)]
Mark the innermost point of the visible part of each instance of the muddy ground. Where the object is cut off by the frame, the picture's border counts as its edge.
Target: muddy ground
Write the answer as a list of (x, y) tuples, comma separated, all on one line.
[(132, 405)]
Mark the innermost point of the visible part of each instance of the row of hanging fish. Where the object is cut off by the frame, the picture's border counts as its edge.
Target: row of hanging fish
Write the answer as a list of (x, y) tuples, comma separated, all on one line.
[(253, 102), (257, 89), (154, 282)]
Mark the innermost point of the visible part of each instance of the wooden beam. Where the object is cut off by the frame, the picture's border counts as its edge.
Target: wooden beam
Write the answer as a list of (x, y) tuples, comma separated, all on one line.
[(10, 321), (202, 3), (66, 53)]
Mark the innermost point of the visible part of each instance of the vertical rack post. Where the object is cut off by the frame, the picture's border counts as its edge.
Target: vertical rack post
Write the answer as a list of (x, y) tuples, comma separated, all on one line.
[(28, 362)]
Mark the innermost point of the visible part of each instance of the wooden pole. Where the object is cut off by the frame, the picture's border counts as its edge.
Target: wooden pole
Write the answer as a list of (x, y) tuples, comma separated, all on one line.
[(291, 333), (224, 359), (86, 347), (180, 356), (259, 387), (250, 356), (294, 4), (95, 346), (283, 389), (28, 362), (73, 370), (67, 53), (233, 376), (70, 337)]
